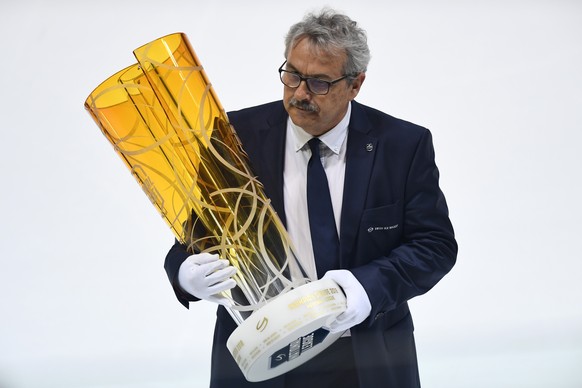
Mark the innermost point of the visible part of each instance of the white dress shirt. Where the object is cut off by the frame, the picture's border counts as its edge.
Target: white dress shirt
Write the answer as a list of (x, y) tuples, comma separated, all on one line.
[(297, 154)]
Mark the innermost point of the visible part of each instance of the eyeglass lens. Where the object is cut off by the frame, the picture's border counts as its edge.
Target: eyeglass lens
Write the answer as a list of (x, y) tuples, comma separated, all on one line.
[(313, 84)]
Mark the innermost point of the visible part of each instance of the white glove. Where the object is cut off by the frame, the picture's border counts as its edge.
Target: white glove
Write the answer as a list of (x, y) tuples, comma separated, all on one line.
[(358, 303), (204, 275)]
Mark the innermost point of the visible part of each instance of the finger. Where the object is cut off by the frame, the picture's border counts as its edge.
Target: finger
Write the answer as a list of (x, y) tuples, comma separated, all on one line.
[(336, 327), (203, 258), (212, 267), (222, 286), (220, 275), (343, 317)]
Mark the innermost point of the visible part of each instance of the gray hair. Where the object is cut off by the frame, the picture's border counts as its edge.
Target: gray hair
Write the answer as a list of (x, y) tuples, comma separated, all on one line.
[(333, 32)]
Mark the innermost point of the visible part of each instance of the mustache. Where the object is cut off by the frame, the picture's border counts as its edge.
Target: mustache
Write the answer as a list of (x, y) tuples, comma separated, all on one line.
[(303, 105)]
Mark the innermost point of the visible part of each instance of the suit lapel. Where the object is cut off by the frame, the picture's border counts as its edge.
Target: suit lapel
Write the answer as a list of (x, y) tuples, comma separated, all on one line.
[(361, 149), (272, 151)]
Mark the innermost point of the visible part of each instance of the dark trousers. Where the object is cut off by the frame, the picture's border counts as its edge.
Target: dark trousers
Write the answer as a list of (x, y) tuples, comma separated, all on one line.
[(332, 368)]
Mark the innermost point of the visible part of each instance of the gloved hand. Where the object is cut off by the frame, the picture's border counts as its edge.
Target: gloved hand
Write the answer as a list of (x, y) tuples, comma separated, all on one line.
[(204, 275), (358, 303)]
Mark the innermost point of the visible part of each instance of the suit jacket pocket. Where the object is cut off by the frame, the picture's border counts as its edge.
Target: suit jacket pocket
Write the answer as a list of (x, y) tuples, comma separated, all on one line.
[(381, 229)]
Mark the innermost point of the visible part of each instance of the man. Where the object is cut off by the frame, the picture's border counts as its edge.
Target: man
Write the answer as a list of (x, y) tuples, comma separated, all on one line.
[(395, 237)]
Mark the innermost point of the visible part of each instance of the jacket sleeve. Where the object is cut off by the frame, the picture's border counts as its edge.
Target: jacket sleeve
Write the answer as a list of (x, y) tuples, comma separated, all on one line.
[(174, 260), (427, 249)]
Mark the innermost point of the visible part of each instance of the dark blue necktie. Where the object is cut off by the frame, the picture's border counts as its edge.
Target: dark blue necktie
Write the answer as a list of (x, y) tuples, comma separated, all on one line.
[(321, 220)]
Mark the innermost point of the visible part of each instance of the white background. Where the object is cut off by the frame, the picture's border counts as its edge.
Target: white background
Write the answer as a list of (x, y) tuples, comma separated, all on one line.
[(84, 300)]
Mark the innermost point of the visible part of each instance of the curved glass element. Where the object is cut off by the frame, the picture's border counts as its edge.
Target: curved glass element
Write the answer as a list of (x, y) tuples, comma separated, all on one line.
[(166, 123)]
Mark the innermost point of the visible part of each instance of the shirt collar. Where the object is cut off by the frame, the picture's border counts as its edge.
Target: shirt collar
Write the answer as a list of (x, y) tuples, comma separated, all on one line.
[(333, 138)]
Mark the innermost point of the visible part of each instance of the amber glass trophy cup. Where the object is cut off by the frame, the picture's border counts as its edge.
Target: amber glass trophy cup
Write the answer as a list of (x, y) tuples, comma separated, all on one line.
[(166, 123)]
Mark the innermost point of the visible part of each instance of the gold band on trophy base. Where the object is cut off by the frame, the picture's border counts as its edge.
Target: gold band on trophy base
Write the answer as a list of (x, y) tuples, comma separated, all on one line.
[(164, 120)]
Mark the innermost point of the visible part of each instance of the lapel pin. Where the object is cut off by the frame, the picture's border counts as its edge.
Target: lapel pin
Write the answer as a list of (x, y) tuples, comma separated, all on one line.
[(369, 147)]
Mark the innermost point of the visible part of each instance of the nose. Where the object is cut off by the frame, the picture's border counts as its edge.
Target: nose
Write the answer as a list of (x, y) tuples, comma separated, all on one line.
[(302, 91)]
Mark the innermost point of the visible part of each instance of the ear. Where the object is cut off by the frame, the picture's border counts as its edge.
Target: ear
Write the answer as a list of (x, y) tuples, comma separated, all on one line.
[(357, 84)]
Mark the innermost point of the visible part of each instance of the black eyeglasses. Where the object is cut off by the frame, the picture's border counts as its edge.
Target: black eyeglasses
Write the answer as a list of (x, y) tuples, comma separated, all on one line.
[(315, 85)]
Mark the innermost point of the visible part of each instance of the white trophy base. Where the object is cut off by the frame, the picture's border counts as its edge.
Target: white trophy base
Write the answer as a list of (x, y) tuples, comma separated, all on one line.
[(287, 331)]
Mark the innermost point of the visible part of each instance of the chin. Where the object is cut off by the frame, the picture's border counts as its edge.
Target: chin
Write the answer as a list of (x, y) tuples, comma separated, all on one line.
[(301, 122)]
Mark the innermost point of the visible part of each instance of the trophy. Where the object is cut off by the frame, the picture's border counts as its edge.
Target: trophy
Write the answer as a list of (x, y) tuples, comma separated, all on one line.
[(165, 121)]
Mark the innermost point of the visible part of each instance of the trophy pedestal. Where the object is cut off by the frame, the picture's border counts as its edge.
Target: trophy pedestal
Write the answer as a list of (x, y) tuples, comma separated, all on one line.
[(287, 331)]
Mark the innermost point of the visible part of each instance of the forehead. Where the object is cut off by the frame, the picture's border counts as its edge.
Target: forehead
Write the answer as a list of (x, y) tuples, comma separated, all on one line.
[(310, 59)]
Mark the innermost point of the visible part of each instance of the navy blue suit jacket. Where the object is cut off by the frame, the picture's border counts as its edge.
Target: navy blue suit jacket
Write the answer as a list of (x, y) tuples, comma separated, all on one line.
[(395, 234)]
